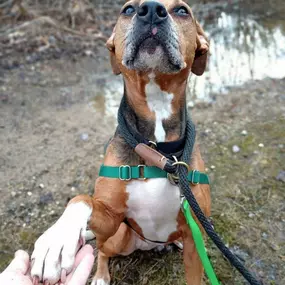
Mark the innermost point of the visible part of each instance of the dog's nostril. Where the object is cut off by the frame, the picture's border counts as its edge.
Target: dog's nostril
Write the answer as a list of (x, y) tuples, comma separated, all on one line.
[(143, 10), (161, 12), (152, 11)]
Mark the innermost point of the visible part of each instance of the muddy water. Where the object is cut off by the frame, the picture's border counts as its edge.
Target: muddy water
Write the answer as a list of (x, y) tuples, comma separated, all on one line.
[(242, 49)]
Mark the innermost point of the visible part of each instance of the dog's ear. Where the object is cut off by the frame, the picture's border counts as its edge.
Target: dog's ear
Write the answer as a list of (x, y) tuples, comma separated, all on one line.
[(201, 54), (111, 47)]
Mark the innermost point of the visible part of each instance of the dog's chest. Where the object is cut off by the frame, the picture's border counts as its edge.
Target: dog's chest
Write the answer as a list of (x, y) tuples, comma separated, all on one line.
[(154, 206), (158, 102)]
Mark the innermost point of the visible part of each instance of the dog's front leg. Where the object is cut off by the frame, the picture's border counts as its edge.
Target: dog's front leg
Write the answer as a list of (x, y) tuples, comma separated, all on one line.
[(55, 250), (192, 262)]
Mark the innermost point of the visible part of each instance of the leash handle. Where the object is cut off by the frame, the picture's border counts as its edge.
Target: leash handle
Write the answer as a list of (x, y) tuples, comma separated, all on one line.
[(199, 243)]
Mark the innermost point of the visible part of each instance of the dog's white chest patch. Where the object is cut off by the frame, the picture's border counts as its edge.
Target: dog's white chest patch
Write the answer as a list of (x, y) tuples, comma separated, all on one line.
[(159, 102), (154, 205)]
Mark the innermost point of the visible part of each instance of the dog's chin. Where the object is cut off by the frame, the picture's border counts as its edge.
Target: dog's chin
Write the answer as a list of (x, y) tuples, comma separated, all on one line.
[(152, 56)]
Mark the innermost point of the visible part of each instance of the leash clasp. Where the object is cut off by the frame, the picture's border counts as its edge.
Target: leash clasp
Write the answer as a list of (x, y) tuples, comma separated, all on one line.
[(174, 179)]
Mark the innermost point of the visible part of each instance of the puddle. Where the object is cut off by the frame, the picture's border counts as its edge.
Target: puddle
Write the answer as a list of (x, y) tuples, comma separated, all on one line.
[(108, 96), (242, 49)]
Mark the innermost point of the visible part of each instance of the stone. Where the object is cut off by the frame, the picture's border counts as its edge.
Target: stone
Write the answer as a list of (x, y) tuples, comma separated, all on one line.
[(46, 198), (281, 176), (84, 137), (235, 149), (251, 215)]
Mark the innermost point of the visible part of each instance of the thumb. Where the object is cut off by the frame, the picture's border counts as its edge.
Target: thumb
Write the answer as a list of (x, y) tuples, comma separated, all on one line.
[(20, 263), (82, 272)]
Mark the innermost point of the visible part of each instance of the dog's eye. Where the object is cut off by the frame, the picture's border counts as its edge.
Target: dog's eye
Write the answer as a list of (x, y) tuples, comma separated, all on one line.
[(181, 11), (129, 10)]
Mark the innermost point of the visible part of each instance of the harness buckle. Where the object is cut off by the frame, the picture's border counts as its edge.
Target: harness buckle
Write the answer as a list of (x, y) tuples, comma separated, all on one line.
[(141, 172), (129, 172), (193, 176)]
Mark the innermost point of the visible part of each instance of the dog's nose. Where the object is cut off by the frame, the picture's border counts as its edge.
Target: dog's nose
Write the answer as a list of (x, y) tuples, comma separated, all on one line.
[(152, 12)]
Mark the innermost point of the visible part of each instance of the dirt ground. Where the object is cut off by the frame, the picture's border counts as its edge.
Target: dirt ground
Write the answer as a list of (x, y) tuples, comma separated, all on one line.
[(52, 141)]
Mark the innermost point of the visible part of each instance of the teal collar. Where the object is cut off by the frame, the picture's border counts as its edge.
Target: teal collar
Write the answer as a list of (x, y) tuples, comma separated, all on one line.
[(142, 172)]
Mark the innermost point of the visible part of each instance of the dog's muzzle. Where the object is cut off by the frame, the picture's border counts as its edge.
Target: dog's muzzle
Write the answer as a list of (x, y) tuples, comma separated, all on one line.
[(152, 41)]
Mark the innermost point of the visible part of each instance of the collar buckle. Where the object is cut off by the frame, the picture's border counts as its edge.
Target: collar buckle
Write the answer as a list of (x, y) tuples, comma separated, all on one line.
[(193, 177), (141, 168), (123, 173)]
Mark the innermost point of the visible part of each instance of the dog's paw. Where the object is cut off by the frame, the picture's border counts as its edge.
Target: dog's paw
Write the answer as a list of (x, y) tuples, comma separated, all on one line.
[(55, 250), (100, 281)]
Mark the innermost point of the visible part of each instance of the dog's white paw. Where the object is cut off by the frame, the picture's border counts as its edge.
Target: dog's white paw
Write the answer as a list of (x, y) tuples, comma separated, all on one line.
[(89, 235), (55, 250), (100, 282)]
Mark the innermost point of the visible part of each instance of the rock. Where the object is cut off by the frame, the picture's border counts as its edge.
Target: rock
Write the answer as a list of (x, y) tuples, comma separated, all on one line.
[(88, 52), (281, 176), (264, 235), (251, 215), (46, 198), (84, 137), (30, 193), (235, 149), (52, 40), (244, 132), (42, 186)]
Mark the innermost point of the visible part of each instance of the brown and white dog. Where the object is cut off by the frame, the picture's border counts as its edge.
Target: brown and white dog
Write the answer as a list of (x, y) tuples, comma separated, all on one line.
[(155, 45)]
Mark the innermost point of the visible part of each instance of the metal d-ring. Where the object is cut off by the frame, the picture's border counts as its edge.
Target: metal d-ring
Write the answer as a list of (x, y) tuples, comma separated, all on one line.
[(181, 163), (154, 144), (175, 178)]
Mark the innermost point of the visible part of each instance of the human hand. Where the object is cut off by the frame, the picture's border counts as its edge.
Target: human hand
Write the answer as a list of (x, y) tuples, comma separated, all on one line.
[(17, 273)]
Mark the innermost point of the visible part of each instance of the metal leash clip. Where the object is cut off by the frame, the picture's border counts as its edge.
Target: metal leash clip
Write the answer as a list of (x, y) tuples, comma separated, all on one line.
[(174, 178)]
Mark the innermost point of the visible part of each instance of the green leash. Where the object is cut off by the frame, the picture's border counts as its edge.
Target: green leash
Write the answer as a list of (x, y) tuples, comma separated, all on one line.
[(126, 173), (199, 243)]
